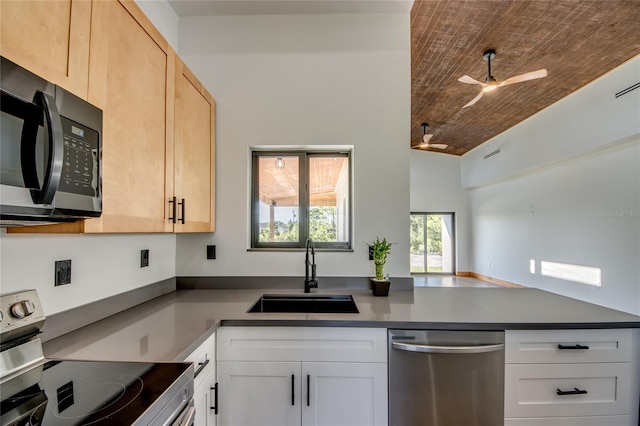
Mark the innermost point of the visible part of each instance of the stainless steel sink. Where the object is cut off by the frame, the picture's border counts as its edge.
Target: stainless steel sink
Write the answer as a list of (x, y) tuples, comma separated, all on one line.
[(317, 303)]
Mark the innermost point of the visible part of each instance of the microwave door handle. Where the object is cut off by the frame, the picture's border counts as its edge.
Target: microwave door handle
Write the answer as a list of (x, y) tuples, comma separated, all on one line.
[(46, 194), (28, 140)]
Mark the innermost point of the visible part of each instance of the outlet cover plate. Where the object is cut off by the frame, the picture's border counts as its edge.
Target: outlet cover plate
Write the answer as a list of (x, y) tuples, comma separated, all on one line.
[(63, 272), (144, 258), (211, 252)]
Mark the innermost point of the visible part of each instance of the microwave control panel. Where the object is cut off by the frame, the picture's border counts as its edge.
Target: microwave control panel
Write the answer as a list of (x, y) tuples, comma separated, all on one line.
[(80, 174)]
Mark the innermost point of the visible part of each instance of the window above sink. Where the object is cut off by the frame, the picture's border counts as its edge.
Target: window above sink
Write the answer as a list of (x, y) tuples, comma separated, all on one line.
[(301, 194)]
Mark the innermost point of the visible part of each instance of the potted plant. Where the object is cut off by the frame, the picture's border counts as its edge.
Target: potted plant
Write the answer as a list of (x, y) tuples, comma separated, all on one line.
[(379, 251)]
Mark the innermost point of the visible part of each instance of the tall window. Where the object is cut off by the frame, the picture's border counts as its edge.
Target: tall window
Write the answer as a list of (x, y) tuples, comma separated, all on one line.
[(432, 243), (298, 195)]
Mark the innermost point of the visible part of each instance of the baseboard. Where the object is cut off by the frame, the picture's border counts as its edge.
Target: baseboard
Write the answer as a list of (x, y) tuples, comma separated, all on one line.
[(489, 279)]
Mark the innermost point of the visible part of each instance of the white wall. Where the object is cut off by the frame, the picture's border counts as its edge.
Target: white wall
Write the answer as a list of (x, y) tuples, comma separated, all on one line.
[(317, 79), (436, 187), (566, 190), (163, 17), (101, 265)]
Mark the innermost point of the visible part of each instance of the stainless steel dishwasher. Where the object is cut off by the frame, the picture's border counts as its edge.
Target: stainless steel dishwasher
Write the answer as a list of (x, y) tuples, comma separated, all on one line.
[(446, 378)]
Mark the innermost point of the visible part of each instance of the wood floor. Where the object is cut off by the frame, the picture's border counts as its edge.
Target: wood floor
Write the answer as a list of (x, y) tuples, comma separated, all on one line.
[(449, 281)]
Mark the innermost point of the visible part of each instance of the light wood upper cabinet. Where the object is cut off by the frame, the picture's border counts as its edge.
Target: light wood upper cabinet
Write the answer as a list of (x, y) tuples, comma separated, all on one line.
[(130, 73), (158, 135), (194, 159), (49, 38)]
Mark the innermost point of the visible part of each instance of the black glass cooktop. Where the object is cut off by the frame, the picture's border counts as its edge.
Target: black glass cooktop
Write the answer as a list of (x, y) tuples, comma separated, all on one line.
[(91, 393)]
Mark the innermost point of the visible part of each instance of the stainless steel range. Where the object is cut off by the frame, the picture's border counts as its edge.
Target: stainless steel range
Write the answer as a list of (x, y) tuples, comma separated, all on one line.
[(39, 391)]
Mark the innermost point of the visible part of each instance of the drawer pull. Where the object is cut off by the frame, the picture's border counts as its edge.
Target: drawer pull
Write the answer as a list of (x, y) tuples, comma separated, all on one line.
[(201, 366), (573, 347), (571, 392)]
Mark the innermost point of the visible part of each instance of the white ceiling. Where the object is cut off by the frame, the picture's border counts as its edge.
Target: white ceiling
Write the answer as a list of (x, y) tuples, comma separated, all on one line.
[(290, 7)]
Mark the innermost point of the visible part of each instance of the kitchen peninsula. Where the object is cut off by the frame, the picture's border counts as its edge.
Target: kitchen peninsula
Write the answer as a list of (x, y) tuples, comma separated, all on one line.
[(178, 324), (175, 323)]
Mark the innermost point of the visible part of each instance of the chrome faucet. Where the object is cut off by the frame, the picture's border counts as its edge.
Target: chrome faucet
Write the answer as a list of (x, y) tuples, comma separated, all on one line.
[(312, 282)]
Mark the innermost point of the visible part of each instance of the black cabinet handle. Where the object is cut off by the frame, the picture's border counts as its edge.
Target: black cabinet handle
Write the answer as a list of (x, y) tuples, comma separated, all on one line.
[(182, 208), (573, 347), (308, 390), (201, 366), (172, 215), (293, 389), (571, 392), (215, 399)]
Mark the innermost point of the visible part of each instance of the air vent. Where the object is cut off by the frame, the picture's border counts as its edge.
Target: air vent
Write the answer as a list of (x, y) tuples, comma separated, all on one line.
[(491, 154), (627, 90)]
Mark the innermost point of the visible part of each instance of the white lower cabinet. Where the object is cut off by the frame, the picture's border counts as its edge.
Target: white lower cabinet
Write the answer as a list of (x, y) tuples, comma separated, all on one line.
[(344, 394), (300, 381), (205, 401), (204, 393), (259, 393), (571, 378)]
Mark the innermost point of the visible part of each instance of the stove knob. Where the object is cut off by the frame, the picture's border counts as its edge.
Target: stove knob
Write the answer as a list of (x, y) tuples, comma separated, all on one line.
[(17, 310), (22, 309)]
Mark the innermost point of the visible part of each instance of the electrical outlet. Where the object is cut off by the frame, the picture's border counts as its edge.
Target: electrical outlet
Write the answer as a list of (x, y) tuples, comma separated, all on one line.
[(211, 252), (63, 272), (144, 258), (370, 253)]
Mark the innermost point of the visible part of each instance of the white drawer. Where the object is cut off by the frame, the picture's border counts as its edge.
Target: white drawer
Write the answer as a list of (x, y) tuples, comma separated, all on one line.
[(531, 389), (570, 421), (544, 346), (302, 344), (203, 359)]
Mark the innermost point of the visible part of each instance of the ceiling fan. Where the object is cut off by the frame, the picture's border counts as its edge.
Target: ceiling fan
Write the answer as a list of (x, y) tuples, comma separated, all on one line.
[(492, 84), (426, 137)]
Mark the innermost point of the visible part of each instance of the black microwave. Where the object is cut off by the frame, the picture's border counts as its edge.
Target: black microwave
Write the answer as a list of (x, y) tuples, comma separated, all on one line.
[(50, 151)]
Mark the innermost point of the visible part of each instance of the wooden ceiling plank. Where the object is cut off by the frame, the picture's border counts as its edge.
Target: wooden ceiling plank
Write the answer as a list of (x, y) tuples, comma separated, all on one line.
[(577, 41)]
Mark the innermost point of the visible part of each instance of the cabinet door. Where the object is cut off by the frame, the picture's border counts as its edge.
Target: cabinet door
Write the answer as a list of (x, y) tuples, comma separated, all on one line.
[(50, 39), (194, 150), (344, 394), (204, 400), (129, 71), (259, 393)]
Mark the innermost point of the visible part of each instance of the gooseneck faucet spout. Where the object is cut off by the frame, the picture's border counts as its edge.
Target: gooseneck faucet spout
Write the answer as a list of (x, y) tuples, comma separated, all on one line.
[(312, 282)]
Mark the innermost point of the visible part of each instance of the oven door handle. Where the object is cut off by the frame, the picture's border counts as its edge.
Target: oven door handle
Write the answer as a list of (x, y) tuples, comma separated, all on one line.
[(187, 416), (46, 193), (437, 349)]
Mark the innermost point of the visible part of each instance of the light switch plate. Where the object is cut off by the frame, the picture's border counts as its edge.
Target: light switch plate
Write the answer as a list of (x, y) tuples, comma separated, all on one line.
[(144, 258)]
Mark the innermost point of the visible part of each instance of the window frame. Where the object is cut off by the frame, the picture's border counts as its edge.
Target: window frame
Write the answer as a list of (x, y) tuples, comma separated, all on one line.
[(303, 198)]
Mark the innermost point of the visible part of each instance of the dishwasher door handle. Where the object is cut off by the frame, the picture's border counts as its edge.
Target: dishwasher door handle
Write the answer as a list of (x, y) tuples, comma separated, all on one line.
[(437, 349)]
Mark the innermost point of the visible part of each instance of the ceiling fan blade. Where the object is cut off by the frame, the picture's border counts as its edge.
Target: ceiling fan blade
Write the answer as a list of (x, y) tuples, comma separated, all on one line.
[(474, 100), (437, 145), (470, 80), (524, 77)]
